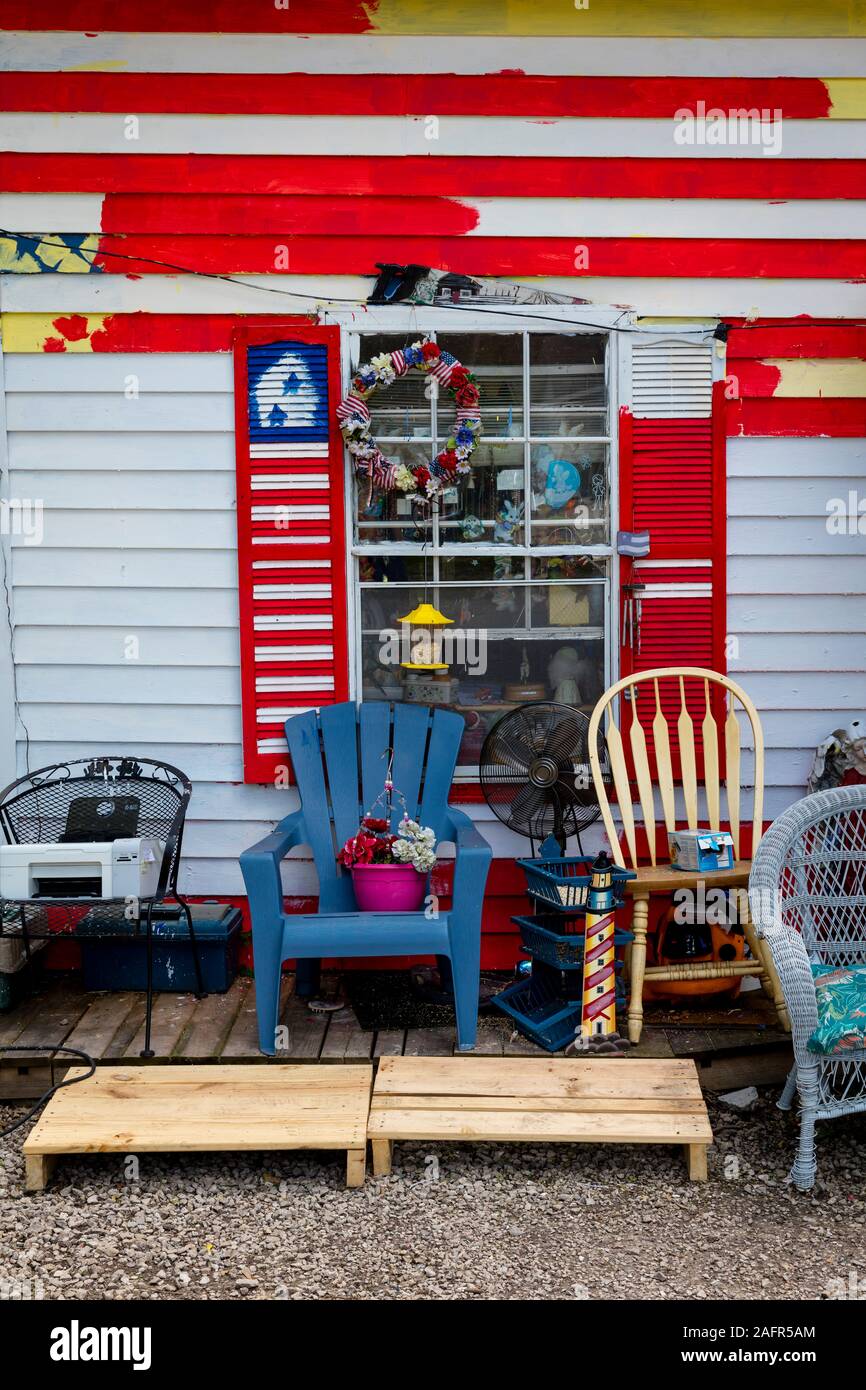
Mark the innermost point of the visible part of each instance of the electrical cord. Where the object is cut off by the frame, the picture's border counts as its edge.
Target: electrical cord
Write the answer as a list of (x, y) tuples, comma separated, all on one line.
[(68, 1081)]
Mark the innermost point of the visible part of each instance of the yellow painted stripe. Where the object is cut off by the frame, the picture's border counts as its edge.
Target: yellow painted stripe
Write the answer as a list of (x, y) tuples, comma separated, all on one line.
[(847, 97), (622, 18), (819, 376), (30, 332)]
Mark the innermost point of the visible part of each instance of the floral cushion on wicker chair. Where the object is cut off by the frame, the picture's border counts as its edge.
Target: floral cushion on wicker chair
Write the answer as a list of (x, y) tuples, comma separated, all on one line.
[(840, 993)]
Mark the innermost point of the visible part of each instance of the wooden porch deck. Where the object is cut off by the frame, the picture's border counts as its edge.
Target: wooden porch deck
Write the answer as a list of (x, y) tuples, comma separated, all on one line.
[(731, 1047)]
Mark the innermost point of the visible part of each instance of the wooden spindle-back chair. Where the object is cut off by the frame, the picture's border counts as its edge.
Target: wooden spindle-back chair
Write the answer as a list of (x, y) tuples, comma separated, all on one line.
[(658, 714)]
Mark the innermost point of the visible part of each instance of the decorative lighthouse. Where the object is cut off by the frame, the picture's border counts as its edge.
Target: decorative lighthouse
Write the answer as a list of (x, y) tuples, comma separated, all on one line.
[(598, 1018)]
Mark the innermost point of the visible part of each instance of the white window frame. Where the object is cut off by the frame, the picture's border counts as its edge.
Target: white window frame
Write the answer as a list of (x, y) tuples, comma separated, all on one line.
[(409, 322)]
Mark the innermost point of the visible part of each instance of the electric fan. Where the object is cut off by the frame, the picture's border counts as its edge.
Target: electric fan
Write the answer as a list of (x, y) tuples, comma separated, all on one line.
[(535, 772)]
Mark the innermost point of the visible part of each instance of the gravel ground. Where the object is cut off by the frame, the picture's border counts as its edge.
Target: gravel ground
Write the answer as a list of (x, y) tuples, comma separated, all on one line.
[(494, 1222)]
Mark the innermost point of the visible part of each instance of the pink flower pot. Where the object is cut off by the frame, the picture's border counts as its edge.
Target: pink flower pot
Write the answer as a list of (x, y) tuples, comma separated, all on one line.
[(388, 887)]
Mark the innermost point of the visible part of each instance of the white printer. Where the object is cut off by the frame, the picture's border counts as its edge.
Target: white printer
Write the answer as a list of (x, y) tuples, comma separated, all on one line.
[(123, 868)]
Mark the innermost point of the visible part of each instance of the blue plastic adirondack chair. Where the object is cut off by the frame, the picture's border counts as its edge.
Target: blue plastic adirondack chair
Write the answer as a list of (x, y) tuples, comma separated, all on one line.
[(339, 756)]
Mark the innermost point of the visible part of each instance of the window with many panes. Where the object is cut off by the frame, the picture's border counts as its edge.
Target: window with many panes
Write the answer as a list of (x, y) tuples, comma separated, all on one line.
[(517, 557)]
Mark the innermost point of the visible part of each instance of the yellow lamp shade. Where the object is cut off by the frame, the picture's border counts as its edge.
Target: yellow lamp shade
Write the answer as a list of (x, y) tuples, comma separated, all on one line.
[(425, 615), (423, 640)]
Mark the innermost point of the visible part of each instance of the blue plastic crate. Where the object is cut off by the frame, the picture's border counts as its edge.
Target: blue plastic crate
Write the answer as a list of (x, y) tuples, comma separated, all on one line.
[(542, 1015), (563, 884), (546, 940)]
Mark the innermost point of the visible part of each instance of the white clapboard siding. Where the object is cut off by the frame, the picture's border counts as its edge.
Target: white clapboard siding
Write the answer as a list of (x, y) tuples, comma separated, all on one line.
[(434, 53), (107, 646), (126, 569), (797, 597), (659, 296), (141, 528), (111, 410), (98, 608), (504, 138), (141, 453), (103, 491)]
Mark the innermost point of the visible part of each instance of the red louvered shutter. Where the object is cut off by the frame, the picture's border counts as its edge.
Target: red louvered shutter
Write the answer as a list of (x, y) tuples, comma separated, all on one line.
[(672, 484), (291, 533)]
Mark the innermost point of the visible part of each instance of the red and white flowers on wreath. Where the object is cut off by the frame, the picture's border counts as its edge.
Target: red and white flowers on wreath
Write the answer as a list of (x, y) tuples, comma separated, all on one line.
[(424, 482)]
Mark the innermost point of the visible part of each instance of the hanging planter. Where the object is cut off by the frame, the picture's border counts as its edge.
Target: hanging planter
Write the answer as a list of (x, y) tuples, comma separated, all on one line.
[(424, 483), (389, 869)]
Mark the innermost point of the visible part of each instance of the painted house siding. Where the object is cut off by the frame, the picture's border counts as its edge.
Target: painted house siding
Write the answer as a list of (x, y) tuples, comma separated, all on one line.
[(796, 595), (139, 497), (140, 489)]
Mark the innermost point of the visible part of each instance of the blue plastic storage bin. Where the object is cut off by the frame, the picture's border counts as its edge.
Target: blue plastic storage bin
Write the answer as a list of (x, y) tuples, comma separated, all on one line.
[(548, 940), (120, 961), (563, 884), (541, 1012)]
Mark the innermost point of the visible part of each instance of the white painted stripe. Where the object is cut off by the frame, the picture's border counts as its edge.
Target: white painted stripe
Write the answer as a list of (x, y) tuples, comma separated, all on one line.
[(280, 622), (293, 592), (289, 451), (672, 564), (77, 132), (278, 745), (676, 590), (291, 564), (290, 513), (280, 482), (276, 714), (270, 655), (291, 540), (284, 684), (664, 297), (505, 217), (374, 53)]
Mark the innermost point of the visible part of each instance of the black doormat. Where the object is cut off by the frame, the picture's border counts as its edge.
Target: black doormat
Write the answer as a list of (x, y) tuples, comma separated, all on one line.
[(392, 999)]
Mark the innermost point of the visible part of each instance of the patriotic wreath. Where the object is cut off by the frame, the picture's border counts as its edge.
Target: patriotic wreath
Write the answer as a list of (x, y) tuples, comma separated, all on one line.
[(425, 482)]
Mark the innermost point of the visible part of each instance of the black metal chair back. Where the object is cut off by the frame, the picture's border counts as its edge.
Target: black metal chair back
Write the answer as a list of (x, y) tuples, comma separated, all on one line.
[(104, 798)]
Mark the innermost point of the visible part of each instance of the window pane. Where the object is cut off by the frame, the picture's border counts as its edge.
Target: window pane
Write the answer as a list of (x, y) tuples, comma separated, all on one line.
[(566, 381), (488, 505), (383, 507), (568, 567), (569, 494), (480, 567), (496, 361), (402, 410), (393, 569), (508, 644)]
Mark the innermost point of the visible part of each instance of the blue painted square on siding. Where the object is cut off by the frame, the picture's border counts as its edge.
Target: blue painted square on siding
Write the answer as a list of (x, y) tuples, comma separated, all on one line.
[(288, 393)]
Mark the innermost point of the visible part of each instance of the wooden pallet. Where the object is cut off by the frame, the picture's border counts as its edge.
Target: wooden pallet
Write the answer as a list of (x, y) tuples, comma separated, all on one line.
[(188, 1109), (612, 1100)]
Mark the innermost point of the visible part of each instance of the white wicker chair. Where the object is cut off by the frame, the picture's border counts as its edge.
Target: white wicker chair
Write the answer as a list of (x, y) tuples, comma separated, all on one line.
[(807, 892)]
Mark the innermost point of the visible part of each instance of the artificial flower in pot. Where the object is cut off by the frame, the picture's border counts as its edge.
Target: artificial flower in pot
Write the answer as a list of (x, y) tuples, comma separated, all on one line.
[(389, 871)]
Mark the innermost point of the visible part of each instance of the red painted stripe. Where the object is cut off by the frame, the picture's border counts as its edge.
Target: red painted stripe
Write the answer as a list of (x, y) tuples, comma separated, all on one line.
[(750, 378), (142, 332), (358, 255), (202, 214), (192, 17), (798, 338), (469, 176), (403, 94), (796, 418)]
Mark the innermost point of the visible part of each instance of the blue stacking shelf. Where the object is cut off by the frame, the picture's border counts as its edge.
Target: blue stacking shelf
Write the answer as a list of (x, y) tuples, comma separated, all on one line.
[(546, 1005)]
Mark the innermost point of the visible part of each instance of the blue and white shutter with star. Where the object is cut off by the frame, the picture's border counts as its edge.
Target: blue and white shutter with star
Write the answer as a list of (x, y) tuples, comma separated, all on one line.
[(288, 400)]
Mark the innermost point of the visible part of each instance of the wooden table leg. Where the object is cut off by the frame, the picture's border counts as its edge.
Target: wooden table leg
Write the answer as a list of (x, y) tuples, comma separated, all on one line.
[(638, 965), (696, 1157), (769, 978), (37, 1171), (356, 1167), (383, 1152)]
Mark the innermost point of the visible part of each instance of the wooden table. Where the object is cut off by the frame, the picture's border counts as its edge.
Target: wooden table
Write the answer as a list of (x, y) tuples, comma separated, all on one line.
[(605, 1100), (188, 1109)]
